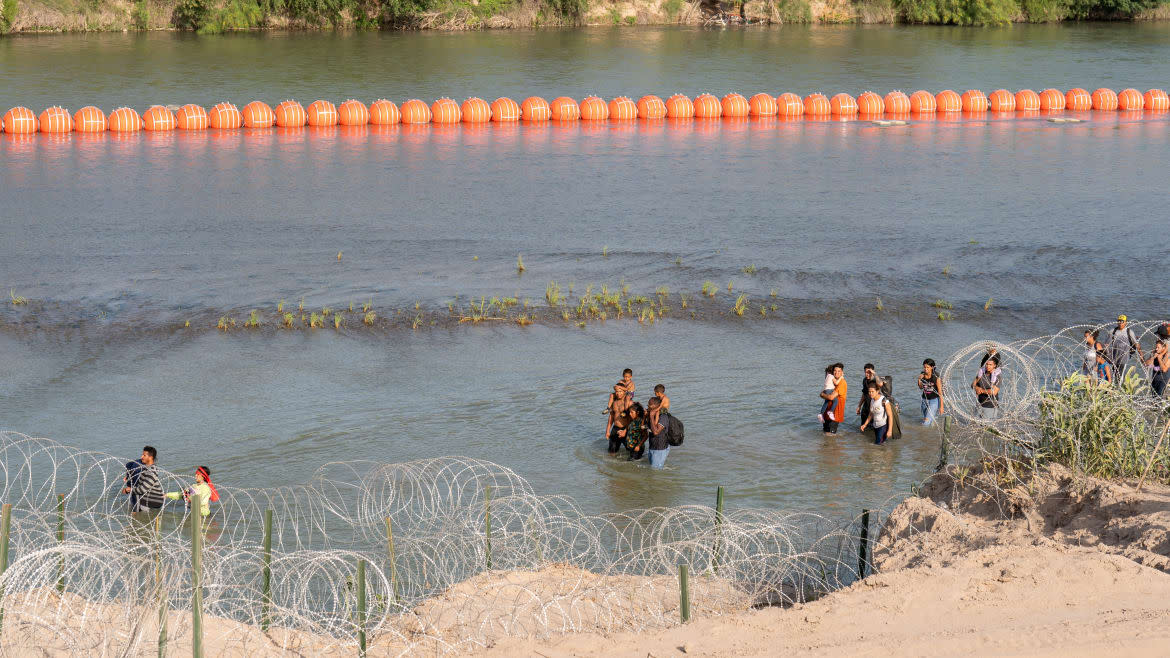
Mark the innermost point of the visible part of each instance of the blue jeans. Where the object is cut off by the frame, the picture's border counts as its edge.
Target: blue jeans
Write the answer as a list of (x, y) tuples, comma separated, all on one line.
[(879, 434), (929, 411), (658, 457)]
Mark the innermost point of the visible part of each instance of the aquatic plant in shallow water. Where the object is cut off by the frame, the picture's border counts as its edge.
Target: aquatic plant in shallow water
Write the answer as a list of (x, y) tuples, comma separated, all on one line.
[(740, 305)]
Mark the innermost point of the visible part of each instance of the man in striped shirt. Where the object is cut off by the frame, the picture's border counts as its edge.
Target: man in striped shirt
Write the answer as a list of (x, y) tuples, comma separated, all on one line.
[(142, 483)]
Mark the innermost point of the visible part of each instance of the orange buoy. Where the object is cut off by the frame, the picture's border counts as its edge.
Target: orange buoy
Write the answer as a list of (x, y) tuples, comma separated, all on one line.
[(125, 120), (762, 105), (923, 102), (622, 109), (843, 105), (1027, 100), (651, 107), (290, 114), (1130, 99), (948, 101), (191, 117), (708, 107), (564, 108), (1104, 99), (384, 112), (735, 105), (475, 110), (1156, 100), (505, 109), (870, 104), (445, 111), (974, 100), (897, 102), (56, 120), (90, 119), (20, 121), (415, 111), (789, 105), (225, 116), (1078, 100), (594, 109), (158, 118), (353, 113), (1051, 100), (257, 114), (1001, 100), (321, 113), (535, 108), (680, 106), (817, 105)]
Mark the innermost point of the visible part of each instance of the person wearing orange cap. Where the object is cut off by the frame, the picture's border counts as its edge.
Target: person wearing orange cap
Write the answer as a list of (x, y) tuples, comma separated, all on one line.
[(1122, 345), (202, 487)]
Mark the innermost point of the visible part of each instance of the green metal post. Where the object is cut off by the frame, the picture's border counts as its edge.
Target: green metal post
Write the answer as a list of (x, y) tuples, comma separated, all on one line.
[(266, 574), (863, 545), (361, 607), (717, 558), (684, 593), (5, 530), (61, 540), (393, 560), (487, 506), (943, 452), (196, 576)]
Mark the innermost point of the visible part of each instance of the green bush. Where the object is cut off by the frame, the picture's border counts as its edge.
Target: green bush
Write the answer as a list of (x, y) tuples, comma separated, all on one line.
[(959, 12), (7, 16), (140, 15), (190, 14), (792, 11), (672, 8)]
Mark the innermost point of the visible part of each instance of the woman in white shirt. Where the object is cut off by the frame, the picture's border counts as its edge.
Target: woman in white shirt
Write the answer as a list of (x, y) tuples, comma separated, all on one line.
[(879, 415)]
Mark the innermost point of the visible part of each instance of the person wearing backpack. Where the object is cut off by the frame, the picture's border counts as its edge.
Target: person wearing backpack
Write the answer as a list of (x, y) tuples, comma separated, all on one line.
[(658, 445), (1122, 345)]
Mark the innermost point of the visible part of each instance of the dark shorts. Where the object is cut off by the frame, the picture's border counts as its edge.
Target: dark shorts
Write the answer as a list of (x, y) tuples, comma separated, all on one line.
[(615, 442)]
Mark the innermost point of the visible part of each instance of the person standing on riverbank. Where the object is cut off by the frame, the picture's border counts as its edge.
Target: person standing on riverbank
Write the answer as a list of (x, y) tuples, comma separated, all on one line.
[(1122, 345), (1089, 356), (836, 414), (932, 394), (142, 483), (1159, 361), (987, 384)]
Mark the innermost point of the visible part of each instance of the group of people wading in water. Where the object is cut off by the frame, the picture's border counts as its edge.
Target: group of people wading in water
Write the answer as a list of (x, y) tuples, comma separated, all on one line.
[(648, 431)]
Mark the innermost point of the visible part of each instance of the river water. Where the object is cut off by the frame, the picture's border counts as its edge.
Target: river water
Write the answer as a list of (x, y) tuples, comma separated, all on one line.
[(117, 242)]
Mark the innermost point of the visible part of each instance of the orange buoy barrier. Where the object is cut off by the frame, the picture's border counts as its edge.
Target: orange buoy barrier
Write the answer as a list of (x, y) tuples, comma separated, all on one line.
[(651, 107), (564, 108), (505, 109), (734, 105), (923, 102), (56, 120), (789, 105), (622, 109), (817, 105), (1156, 100), (535, 108), (158, 118), (384, 112), (191, 117), (321, 113), (1130, 99), (974, 101), (762, 105), (708, 107), (90, 119), (20, 121), (1001, 100), (415, 111), (870, 104), (475, 110), (257, 114), (353, 113), (1078, 100), (125, 120), (843, 105), (225, 116), (1051, 100), (1104, 99), (680, 106), (897, 102), (290, 114), (948, 101), (594, 109), (446, 110), (1027, 100)]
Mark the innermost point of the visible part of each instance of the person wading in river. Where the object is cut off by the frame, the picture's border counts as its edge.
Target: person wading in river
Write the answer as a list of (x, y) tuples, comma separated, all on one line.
[(932, 398), (142, 483), (871, 378), (986, 385), (837, 414), (615, 428)]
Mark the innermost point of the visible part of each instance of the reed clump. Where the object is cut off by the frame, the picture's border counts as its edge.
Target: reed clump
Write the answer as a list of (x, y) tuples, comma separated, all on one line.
[(368, 318), (253, 321), (17, 300), (709, 289), (740, 306)]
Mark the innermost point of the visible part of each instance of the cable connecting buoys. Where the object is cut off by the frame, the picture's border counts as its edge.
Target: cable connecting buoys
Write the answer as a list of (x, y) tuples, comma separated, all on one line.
[(843, 105), (593, 109), (974, 100), (90, 119), (948, 100), (1027, 101), (476, 110), (55, 120), (734, 106), (20, 121), (1104, 99), (564, 108), (1051, 100), (535, 108), (505, 109), (290, 114), (651, 107), (1078, 100), (321, 113), (158, 118), (762, 105), (446, 110), (1001, 100), (191, 117), (415, 111), (1130, 99), (384, 113), (707, 107), (622, 108), (225, 116), (257, 114), (680, 106), (870, 104), (1156, 100), (817, 105), (789, 105), (125, 120), (897, 102), (353, 113)]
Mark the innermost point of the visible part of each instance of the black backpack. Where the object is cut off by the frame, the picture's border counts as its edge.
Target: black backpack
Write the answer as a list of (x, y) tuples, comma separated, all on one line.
[(674, 430)]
